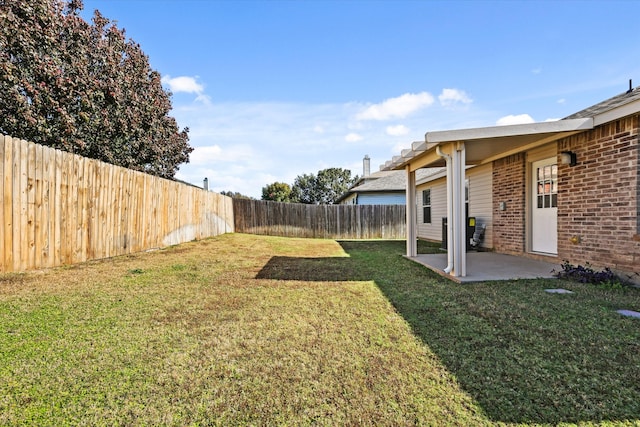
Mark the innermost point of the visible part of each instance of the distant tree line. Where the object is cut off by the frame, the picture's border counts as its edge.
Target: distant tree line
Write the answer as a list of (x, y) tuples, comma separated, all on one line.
[(84, 88), (324, 188)]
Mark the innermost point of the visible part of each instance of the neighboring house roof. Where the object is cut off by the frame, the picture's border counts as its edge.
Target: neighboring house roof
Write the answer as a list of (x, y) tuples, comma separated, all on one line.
[(395, 181), (387, 182), (372, 177)]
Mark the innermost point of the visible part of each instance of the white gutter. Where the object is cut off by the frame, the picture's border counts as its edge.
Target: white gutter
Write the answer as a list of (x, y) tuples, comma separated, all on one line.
[(447, 158)]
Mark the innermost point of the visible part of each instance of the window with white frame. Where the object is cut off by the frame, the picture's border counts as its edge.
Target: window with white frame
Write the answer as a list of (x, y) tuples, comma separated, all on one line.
[(426, 206), (466, 198)]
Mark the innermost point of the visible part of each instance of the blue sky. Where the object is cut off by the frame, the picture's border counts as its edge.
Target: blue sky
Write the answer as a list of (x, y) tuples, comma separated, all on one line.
[(275, 89)]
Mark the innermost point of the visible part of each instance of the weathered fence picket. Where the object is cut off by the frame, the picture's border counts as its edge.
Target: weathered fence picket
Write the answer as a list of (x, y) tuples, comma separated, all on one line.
[(319, 221)]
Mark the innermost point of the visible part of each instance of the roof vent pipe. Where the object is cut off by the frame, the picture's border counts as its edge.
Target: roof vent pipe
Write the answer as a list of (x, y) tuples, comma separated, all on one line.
[(630, 86), (366, 166)]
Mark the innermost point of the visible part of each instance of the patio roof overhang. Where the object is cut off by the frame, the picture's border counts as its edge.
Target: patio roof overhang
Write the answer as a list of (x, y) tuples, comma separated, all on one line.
[(483, 145), (456, 149)]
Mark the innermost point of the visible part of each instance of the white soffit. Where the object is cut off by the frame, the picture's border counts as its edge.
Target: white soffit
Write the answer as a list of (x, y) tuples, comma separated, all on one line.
[(510, 130)]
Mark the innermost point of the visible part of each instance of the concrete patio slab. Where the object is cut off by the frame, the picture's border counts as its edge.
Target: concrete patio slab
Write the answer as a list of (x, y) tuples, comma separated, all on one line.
[(486, 266)]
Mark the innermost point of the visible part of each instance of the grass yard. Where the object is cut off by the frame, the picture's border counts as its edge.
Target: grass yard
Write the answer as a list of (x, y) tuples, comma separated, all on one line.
[(253, 330)]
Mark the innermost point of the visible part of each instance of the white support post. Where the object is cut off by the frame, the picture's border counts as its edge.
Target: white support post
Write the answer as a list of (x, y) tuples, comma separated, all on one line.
[(412, 224), (463, 215), (459, 217)]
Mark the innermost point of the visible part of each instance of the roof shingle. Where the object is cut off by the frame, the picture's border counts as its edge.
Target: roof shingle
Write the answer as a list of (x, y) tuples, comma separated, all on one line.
[(607, 105)]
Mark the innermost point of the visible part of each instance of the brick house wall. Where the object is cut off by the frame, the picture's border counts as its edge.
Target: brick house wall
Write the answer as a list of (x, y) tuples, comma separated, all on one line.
[(509, 187), (598, 219), (598, 209)]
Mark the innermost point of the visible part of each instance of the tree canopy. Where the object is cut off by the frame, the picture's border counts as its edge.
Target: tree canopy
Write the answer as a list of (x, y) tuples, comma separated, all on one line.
[(84, 88), (324, 188), (277, 192)]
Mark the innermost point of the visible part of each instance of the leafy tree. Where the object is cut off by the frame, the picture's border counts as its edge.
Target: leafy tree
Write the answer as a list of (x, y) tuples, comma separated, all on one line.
[(304, 189), (325, 188), (332, 183), (84, 88), (277, 192)]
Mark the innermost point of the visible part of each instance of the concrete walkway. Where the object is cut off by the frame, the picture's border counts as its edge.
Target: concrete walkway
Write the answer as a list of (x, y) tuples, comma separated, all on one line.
[(484, 266)]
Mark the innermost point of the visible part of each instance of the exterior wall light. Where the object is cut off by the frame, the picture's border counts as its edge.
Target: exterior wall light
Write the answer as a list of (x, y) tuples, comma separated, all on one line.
[(568, 158)]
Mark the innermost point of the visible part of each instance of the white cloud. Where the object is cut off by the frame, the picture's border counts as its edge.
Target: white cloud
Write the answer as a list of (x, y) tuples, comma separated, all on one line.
[(537, 70), (205, 99), (353, 137), (205, 155), (450, 97), (212, 154), (561, 101), (184, 84), (397, 130), (515, 120), (399, 107)]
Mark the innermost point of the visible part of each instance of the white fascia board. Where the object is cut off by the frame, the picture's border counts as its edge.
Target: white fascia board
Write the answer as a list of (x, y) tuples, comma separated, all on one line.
[(617, 113), (509, 130)]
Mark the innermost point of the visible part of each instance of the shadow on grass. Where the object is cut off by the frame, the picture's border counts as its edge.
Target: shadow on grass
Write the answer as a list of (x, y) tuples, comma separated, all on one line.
[(332, 269), (525, 356)]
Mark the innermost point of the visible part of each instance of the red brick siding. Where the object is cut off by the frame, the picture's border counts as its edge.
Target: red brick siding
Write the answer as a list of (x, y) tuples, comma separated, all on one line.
[(598, 198), (509, 186)]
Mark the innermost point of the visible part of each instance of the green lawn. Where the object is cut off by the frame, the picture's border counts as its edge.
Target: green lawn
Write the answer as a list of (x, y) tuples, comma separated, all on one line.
[(252, 330)]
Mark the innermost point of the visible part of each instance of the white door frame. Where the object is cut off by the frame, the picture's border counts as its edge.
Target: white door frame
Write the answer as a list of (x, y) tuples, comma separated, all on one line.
[(543, 194)]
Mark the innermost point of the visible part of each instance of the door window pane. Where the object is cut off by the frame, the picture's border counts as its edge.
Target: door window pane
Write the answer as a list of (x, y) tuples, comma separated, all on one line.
[(547, 186)]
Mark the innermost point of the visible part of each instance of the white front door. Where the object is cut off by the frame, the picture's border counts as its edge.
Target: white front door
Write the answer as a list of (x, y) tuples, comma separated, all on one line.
[(544, 203)]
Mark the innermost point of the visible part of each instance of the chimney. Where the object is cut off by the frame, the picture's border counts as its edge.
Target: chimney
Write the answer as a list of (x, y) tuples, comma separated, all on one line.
[(206, 184), (366, 166)]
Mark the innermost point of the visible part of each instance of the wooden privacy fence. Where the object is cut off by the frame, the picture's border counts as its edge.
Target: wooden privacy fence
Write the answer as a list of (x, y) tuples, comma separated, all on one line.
[(59, 208), (322, 221)]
